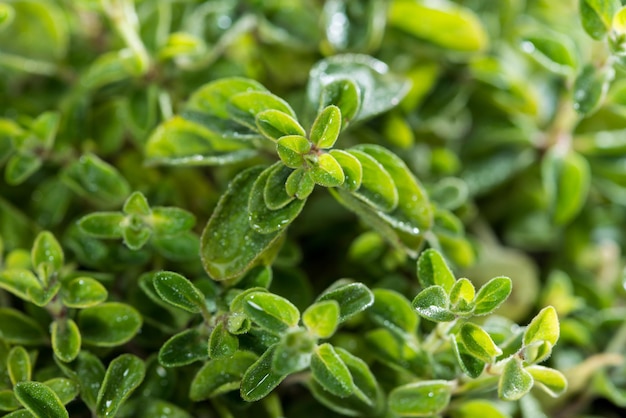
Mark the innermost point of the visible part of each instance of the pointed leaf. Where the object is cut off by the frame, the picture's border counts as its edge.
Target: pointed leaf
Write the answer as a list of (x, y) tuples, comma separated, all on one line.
[(230, 246), (260, 379), (136, 204), (40, 400), (420, 399), (352, 169), (322, 318), (83, 292), (103, 224), (326, 127), (108, 324), (275, 192), (432, 303), (272, 312), (220, 375), (47, 254), (123, 376), (492, 294), (22, 283), (543, 327), (221, 342), (550, 380), (331, 372), (554, 53), (20, 167), (462, 296), (479, 343), (351, 297), (65, 339), (327, 172), (596, 16), (432, 269), (178, 291), (275, 124), (471, 366), (377, 187), (514, 382)]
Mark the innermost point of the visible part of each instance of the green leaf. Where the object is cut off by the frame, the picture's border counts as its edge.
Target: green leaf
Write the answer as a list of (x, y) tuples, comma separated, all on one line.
[(135, 232), (398, 351), (20, 167), (462, 297), (331, 372), (136, 204), (40, 400), (492, 294), (47, 255), (244, 107), (110, 67), (479, 343), (96, 180), (271, 312), (179, 141), (22, 283), (515, 381), (326, 127), (554, 53), (108, 324), (82, 292), (377, 186), (352, 298), (21, 413), (618, 23), (346, 95), (478, 408), (103, 224), (8, 401), (17, 328), (65, 389), (293, 352), (471, 366), (393, 311), (352, 169), (421, 399), (275, 124), (184, 348), (19, 365), (229, 245), (291, 150), (432, 303), (444, 23), (597, 15), (275, 192), (170, 221), (89, 372), (178, 291), (551, 381), (378, 89), (322, 318), (543, 327), (65, 339), (432, 269), (264, 220), (299, 184), (567, 179), (327, 172), (213, 98), (590, 88), (221, 342), (260, 379), (123, 376), (220, 375)]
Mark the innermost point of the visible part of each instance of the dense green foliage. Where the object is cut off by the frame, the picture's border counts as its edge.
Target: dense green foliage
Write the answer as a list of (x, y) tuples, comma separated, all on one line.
[(377, 208)]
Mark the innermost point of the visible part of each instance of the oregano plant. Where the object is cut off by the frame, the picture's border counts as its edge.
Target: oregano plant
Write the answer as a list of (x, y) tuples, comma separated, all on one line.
[(378, 208)]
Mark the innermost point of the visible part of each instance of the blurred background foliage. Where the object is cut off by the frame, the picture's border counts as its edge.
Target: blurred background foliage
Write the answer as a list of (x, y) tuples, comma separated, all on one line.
[(515, 123)]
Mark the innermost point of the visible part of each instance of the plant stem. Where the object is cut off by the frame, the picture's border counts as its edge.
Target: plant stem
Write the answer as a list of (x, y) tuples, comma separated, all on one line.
[(28, 65)]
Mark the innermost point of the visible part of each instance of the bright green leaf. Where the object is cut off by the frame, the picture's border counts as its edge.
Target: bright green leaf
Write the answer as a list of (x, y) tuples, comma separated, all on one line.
[(272, 312), (102, 224), (352, 169), (422, 399), (432, 303), (326, 127), (213, 97), (377, 186), (346, 95), (470, 365), (492, 294), (170, 221), (432, 269), (554, 53), (293, 352), (299, 184), (178, 291), (65, 389), (351, 297), (108, 324), (66, 339), (221, 342), (479, 343), (327, 172), (83, 292), (478, 408), (550, 380), (322, 318), (597, 15), (47, 254), (220, 375), (136, 204), (291, 150), (124, 374), (331, 372), (8, 401), (244, 107), (590, 88), (515, 381), (22, 283), (462, 296), (275, 124), (543, 327), (393, 311), (40, 400)]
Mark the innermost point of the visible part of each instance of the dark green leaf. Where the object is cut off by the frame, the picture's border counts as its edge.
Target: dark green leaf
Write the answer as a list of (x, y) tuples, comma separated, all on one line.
[(272, 312), (492, 294), (326, 127), (221, 342), (275, 192), (19, 365), (40, 400), (293, 352), (331, 372), (20, 167), (108, 324), (445, 24), (470, 365), (591, 87), (351, 297), (178, 291), (229, 245), (264, 220), (514, 382), (421, 399), (65, 389), (260, 379), (377, 186), (432, 303), (17, 328), (220, 375), (322, 318), (184, 348), (89, 372), (432, 269), (275, 124), (65, 339), (83, 292), (597, 15), (123, 376), (398, 351), (393, 311), (103, 224), (8, 401)]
